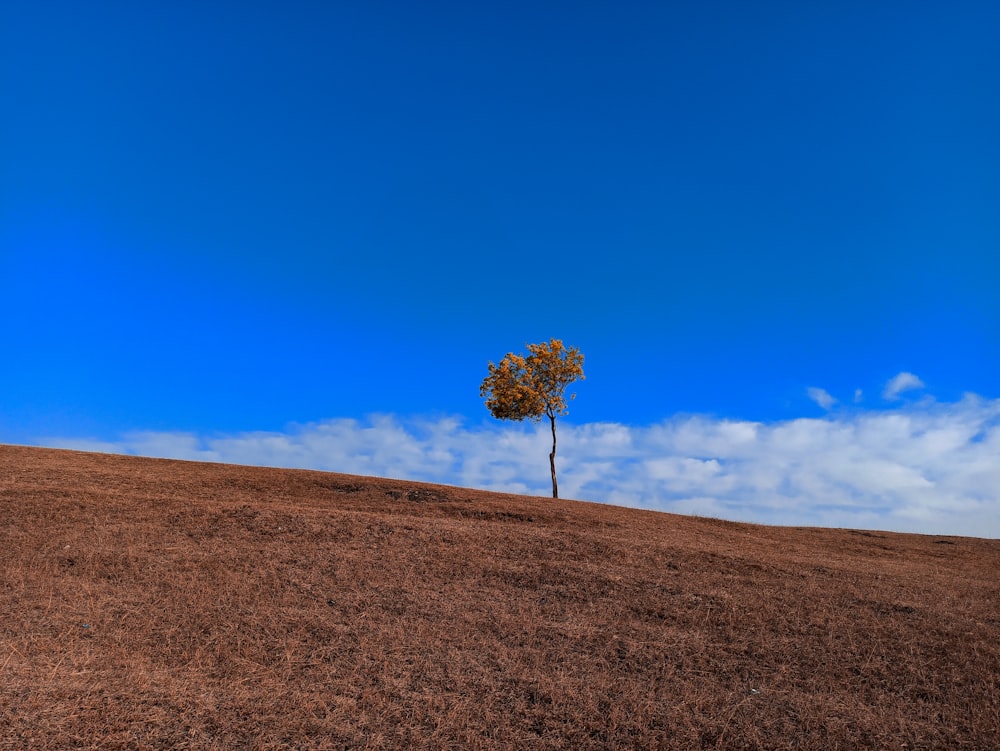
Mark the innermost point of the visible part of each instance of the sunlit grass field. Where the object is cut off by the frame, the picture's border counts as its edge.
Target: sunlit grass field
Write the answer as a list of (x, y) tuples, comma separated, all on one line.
[(153, 604)]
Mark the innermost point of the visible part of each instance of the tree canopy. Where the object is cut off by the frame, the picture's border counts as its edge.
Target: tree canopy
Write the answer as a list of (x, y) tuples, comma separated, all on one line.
[(531, 386)]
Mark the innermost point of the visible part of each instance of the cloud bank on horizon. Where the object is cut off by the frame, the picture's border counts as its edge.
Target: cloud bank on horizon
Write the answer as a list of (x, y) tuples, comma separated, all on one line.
[(926, 466)]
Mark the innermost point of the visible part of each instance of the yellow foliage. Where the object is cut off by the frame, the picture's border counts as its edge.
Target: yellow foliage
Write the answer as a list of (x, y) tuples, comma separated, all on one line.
[(532, 386)]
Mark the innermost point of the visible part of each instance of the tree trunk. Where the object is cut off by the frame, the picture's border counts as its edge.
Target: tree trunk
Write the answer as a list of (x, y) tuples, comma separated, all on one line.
[(552, 457)]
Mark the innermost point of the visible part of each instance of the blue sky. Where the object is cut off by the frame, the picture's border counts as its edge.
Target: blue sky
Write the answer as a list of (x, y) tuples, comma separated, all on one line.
[(224, 222)]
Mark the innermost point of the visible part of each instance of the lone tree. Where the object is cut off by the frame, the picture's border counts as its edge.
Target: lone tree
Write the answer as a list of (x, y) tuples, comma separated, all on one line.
[(520, 387)]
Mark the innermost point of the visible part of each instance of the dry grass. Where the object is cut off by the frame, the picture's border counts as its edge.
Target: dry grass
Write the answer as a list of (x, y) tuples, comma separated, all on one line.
[(149, 604)]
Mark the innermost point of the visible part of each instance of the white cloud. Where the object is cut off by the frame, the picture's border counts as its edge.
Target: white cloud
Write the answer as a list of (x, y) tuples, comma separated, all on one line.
[(821, 397), (902, 382), (927, 467)]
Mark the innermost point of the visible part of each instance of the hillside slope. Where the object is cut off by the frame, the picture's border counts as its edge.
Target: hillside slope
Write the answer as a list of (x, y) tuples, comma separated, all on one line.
[(152, 604)]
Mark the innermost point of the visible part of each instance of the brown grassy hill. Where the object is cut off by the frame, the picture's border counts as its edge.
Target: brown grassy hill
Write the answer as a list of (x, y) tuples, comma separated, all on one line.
[(150, 604)]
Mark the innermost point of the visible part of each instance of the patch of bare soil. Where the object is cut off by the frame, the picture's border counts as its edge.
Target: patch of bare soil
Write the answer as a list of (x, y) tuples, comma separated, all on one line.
[(151, 604)]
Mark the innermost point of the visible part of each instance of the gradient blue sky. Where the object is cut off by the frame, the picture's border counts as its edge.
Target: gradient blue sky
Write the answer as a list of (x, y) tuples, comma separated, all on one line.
[(219, 219)]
